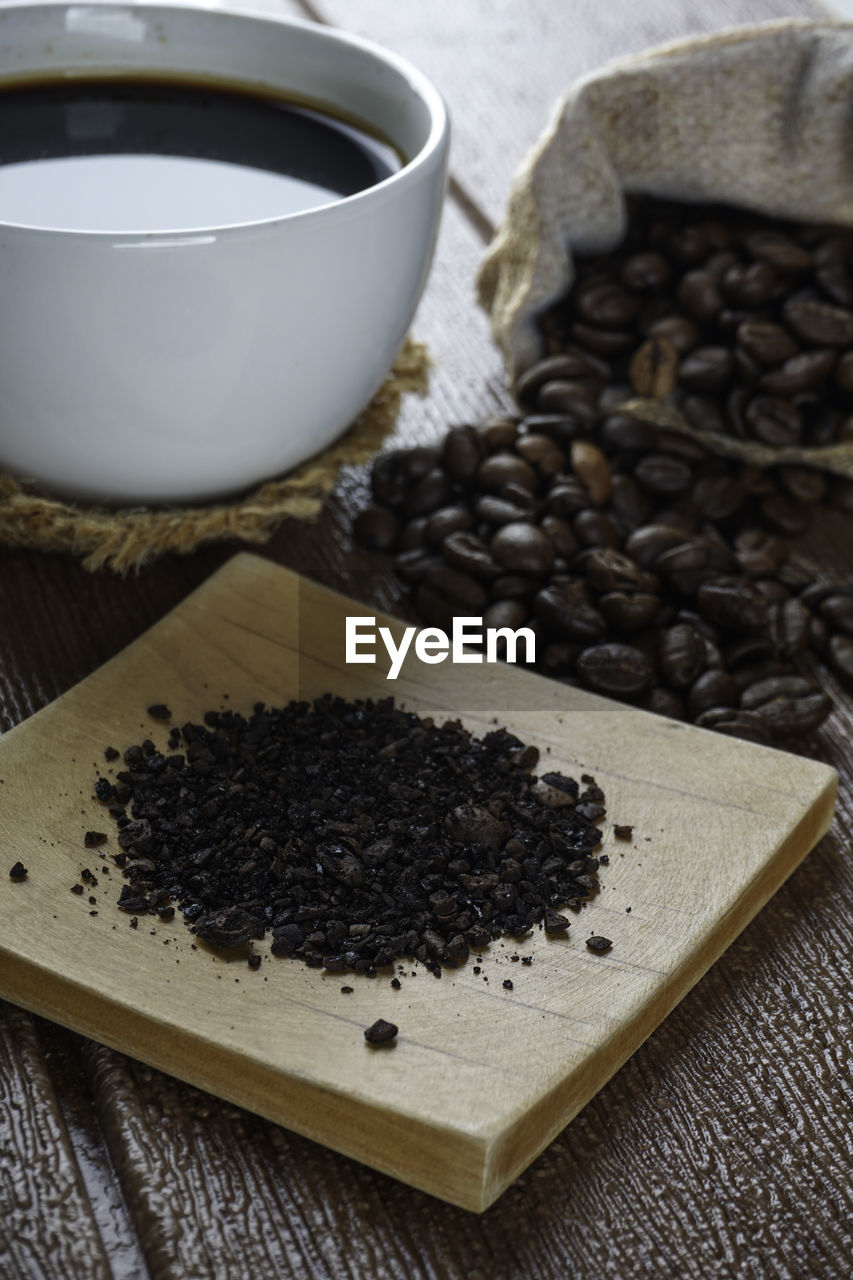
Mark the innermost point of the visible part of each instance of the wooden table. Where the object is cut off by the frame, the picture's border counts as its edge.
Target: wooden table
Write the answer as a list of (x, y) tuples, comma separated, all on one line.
[(721, 1149)]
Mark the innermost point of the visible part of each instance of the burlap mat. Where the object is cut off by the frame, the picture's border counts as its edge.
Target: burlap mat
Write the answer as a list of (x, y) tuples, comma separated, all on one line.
[(123, 539)]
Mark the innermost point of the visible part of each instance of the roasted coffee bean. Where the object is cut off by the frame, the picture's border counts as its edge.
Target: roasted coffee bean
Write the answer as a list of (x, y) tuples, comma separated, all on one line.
[(766, 343), (749, 286), (712, 689), (419, 462), (685, 566), (602, 342), (629, 612), (706, 368), (617, 670), (562, 538), (719, 262), (836, 283), (699, 294), (837, 612), (789, 705), (678, 330), (592, 469), (733, 604), (412, 536), (523, 548), (499, 433), (565, 367), (556, 426), (653, 368), (646, 545), (801, 373), (737, 723), (594, 529), (577, 400), (567, 617), (789, 629), (663, 475), (470, 555), (606, 305), (445, 521), (502, 510), (542, 453), (718, 497), (682, 655), (819, 323), (505, 613), (779, 251), (500, 469), (430, 493), (610, 570), (462, 453), (774, 421), (631, 506), (566, 498)]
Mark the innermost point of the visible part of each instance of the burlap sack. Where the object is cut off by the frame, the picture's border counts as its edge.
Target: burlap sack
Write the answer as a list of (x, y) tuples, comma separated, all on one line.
[(759, 117)]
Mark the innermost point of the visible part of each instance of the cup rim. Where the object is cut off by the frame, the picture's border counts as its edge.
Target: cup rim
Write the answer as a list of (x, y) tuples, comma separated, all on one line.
[(434, 143)]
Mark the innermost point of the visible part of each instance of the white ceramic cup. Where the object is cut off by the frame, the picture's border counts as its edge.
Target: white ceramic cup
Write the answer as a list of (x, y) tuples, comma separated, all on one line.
[(188, 364)]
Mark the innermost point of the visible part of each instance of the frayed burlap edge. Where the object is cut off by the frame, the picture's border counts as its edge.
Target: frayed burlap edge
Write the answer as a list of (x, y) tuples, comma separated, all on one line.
[(127, 538)]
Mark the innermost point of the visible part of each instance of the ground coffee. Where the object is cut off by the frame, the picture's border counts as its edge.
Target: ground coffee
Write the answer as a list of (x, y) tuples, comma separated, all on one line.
[(355, 832)]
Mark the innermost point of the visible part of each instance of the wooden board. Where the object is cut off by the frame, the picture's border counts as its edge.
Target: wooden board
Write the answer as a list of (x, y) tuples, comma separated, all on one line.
[(481, 1078)]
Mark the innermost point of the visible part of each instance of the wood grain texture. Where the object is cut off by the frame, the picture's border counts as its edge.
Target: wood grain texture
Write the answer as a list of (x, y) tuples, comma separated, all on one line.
[(48, 1228), (721, 1149), (719, 824)]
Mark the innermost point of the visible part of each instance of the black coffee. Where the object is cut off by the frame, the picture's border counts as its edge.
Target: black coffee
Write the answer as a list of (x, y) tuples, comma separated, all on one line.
[(127, 154)]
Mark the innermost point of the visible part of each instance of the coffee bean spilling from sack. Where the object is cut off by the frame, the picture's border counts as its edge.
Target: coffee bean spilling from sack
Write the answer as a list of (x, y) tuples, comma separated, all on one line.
[(747, 322), (650, 569)]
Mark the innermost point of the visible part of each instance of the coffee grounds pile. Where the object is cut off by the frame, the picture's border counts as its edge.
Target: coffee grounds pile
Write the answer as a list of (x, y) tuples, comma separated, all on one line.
[(356, 832), (650, 569)]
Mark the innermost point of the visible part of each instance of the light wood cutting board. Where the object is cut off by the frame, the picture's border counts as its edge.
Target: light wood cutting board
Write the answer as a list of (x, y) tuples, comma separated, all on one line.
[(481, 1078)]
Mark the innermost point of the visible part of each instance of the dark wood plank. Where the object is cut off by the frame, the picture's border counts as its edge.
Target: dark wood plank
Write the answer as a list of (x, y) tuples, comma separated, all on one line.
[(47, 1228)]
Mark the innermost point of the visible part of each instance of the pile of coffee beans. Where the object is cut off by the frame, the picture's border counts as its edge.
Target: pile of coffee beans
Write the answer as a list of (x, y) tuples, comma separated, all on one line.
[(746, 322), (650, 569), (355, 832)]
